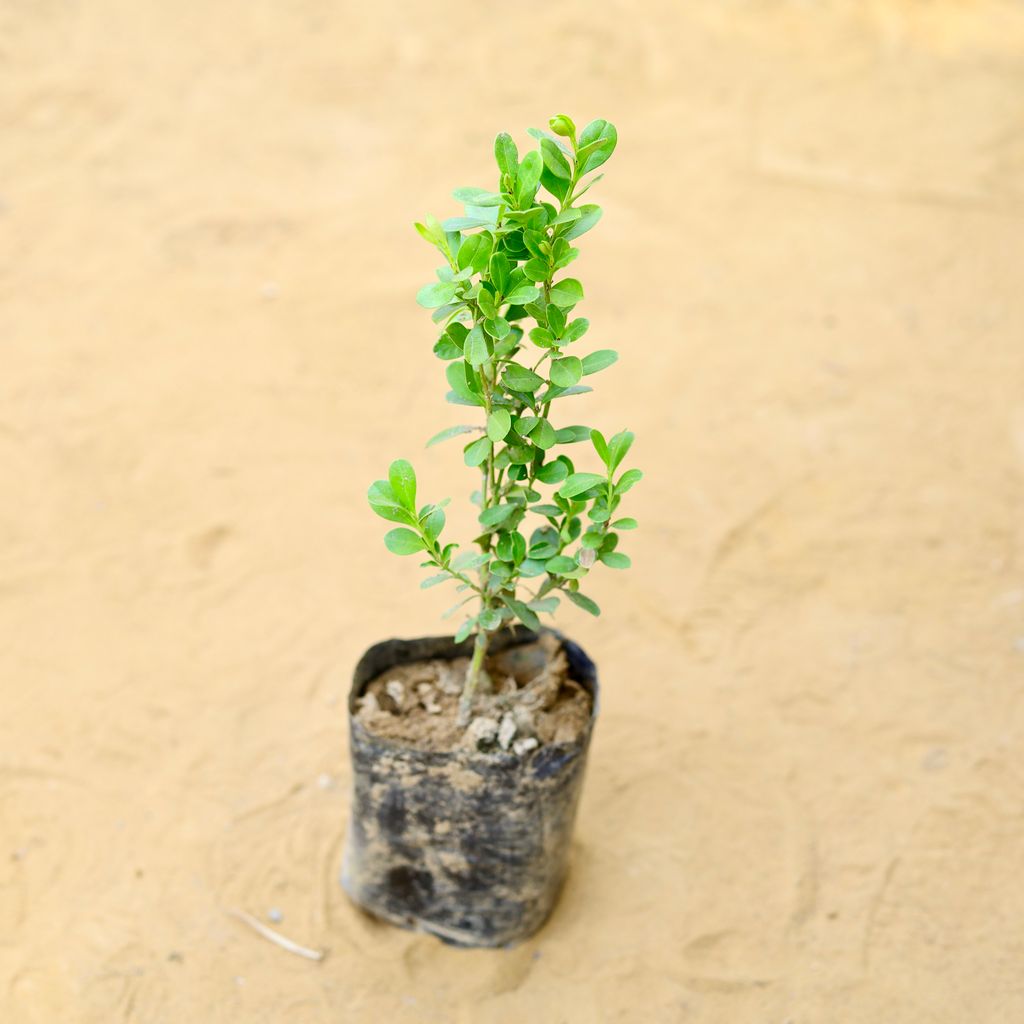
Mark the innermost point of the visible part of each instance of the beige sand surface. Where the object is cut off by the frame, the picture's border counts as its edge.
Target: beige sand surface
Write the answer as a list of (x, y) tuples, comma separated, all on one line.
[(806, 798)]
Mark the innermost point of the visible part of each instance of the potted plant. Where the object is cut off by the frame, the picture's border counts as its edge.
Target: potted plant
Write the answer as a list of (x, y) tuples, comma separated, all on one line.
[(468, 751)]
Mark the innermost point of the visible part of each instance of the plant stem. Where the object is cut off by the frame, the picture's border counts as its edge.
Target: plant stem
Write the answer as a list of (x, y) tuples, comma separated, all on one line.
[(473, 677)]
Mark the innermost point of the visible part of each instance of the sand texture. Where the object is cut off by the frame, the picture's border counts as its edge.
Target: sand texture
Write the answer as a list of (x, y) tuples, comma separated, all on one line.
[(805, 798)]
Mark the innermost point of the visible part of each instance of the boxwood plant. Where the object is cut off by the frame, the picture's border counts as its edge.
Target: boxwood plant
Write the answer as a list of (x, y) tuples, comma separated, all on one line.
[(505, 304)]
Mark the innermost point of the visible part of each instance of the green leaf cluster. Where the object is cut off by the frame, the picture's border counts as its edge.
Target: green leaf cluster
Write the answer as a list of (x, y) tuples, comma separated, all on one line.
[(505, 304)]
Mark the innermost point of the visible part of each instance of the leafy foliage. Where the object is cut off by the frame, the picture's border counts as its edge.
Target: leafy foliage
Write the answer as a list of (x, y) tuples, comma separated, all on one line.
[(506, 305)]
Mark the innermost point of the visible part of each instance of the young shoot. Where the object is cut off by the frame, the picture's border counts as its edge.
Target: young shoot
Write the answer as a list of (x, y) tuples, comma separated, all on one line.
[(509, 335)]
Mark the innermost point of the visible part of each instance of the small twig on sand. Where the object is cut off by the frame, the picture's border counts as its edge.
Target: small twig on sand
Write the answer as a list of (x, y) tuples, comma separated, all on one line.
[(272, 936)]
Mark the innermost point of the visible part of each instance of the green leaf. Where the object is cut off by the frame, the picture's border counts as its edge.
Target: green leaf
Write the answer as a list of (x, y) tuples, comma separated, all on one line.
[(551, 511), (497, 514), (528, 177), (596, 143), (511, 547), (466, 223), (525, 616), (556, 320), (536, 269), (469, 560), (383, 501), (553, 472), (567, 292), (477, 197), (526, 424), (618, 447), (523, 294), (567, 216), (434, 523), (628, 523), (403, 542), (462, 633), (626, 481), (590, 214), (541, 337), (573, 434), (499, 271), (600, 445), (616, 560), (576, 329), (402, 478), (489, 619), (502, 570), (485, 300), (456, 399), (477, 452), (554, 159), (556, 392), (476, 349), (530, 567), (539, 134), (445, 348), (450, 432), (580, 482), (432, 295), (506, 155), (498, 423), (497, 328), (474, 252), (518, 378), (558, 187), (432, 231), (432, 581), (582, 601), (519, 455), (544, 436), (458, 378), (544, 604), (560, 564), (599, 360), (566, 371)]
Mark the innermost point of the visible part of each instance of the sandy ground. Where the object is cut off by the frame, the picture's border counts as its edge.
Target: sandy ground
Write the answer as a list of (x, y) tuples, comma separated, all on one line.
[(805, 798)]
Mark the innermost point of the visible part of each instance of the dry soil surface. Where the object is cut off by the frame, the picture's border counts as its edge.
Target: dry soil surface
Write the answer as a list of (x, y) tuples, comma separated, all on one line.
[(806, 795)]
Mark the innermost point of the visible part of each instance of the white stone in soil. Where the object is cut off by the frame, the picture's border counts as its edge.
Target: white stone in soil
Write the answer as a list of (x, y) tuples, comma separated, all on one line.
[(524, 720), (449, 681), (525, 745), (506, 731), (483, 730), (395, 690)]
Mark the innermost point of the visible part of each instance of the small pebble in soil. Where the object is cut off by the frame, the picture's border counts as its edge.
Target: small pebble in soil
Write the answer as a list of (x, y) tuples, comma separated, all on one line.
[(525, 745), (427, 698), (275, 915), (370, 704), (524, 719), (482, 731), (506, 731), (395, 690), (448, 681)]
